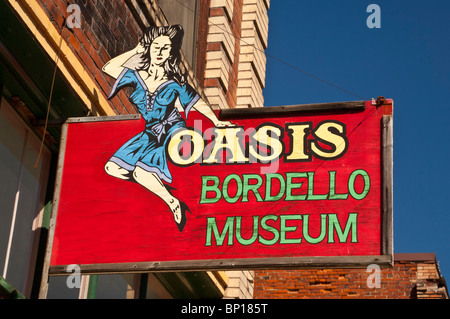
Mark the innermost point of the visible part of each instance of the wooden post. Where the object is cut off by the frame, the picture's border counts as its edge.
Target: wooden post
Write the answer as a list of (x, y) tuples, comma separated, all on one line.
[(387, 188)]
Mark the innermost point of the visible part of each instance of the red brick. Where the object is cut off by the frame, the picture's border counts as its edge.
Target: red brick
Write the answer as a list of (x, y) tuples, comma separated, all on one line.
[(396, 283)]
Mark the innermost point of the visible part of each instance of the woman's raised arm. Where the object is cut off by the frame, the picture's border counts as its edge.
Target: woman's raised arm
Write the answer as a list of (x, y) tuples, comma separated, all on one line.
[(115, 66)]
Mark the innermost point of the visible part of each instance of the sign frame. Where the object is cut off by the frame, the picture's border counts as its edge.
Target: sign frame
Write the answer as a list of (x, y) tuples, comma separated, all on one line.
[(385, 259)]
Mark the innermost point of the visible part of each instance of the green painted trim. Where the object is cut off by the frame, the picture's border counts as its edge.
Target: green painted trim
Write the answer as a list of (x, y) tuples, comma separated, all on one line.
[(50, 191), (7, 291), (92, 288)]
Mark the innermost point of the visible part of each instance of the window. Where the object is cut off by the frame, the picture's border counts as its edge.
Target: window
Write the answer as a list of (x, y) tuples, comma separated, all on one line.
[(184, 13), (23, 183)]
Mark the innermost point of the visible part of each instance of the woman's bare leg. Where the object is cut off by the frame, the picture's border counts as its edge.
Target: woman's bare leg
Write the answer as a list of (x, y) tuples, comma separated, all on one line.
[(150, 181), (117, 171), (153, 183)]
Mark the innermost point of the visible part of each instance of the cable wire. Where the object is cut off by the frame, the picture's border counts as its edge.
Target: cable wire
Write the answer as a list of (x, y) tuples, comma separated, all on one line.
[(50, 97), (275, 58)]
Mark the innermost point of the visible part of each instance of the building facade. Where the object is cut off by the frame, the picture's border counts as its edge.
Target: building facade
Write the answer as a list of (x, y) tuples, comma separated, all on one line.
[(413, 276), (52, 54)]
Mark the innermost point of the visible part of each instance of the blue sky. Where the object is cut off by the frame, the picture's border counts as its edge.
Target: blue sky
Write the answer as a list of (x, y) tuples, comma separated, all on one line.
[(407, 59)]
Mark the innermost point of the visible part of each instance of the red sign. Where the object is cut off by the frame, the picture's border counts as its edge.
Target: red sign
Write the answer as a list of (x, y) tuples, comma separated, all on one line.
[(286, 187)]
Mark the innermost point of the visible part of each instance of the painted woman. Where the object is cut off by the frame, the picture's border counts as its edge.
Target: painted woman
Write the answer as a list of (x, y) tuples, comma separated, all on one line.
[(152, 70)]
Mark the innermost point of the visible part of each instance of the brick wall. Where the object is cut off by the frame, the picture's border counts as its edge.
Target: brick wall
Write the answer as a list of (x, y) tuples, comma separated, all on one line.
[(411, 277), (108, 28), (240, 285), (252, 59), (232, 65), (221, 56), (429, 283)]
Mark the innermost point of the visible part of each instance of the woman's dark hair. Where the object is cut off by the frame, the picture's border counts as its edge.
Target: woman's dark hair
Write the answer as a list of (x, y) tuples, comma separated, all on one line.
[(171, 66)]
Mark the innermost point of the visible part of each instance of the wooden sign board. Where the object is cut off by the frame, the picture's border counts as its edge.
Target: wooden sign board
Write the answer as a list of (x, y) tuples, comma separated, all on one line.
[(295, 186)]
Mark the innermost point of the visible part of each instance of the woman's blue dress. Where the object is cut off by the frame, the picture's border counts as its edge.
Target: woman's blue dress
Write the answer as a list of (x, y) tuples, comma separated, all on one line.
[(147, 150)]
